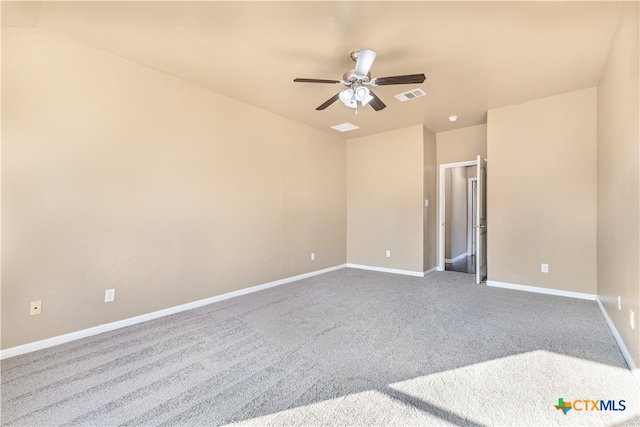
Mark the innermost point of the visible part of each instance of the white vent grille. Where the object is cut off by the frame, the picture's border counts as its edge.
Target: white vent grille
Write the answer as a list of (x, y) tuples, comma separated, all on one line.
[(415, 93), (345, 127)]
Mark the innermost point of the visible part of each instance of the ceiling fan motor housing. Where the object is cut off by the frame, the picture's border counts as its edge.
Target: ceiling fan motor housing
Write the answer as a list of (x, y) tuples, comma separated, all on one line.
[(350, 78)]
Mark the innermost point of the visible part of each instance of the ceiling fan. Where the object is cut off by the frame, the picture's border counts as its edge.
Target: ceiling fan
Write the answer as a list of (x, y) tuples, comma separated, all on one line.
[(358, 79)]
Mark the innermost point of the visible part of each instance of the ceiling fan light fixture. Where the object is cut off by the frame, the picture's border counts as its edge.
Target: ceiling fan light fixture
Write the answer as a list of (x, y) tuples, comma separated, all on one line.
[(348, 98), (366, 100), (363, 94), (351, 104)]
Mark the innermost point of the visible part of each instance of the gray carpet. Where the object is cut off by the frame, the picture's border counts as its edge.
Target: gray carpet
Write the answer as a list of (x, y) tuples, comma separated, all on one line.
[(350, 347)]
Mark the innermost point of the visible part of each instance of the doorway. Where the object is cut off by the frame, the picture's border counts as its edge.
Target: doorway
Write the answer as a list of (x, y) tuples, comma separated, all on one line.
[(468, 252), (459, 238)]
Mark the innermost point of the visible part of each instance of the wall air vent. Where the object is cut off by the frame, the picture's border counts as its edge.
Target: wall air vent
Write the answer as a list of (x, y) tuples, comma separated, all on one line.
[(345, 127), (415, 93)]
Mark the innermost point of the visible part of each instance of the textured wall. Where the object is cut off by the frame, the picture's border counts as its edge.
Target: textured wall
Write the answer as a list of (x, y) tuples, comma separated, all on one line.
[(385, 199), (462, 145), (541, 177), (619, 180), (430, 225), (118, 176)]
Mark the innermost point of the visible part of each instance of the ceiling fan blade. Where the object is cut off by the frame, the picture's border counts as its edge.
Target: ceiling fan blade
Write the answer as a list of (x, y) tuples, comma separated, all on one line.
[(364, 62), (399, 80), (376, 103), (316, 81), (329, 101)]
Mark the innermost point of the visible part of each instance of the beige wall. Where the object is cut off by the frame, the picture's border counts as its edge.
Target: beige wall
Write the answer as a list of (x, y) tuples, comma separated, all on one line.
[(542, 192), (117, 176), (462, 145), (619, 180), (430, 223), (385, 174), (472, 172)]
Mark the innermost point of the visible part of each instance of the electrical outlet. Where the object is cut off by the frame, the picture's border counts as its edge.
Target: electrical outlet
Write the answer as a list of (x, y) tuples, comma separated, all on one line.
[(35, 308), (544, 268), (388, 254), (619, 303), (632, 319), (109, 295), (313, 256)]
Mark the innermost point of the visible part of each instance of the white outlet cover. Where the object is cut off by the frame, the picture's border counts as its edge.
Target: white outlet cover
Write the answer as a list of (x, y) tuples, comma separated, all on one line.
[(544, 268), (109, 295), (632, 319), (388, 254), (35, 308), (619, 303)]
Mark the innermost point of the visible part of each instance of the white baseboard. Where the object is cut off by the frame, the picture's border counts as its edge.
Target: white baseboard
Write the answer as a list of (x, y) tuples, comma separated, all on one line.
[(61, 339), (539, 290), (623, 347), (431, 270), (386, 270), (458, 258)]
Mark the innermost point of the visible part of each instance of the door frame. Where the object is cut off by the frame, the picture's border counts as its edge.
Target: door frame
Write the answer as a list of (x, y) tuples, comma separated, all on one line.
[(442, 206), (471, 247)]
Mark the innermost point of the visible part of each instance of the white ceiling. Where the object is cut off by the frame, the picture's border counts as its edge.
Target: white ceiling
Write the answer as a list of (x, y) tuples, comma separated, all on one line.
[(476, 55)]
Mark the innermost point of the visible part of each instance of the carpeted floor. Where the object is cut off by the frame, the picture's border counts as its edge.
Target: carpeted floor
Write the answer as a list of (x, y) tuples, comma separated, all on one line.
[(350, 347)]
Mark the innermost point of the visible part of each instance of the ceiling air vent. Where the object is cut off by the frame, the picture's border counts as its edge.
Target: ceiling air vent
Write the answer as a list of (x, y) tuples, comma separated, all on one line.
[(345, 127), (415, 93)]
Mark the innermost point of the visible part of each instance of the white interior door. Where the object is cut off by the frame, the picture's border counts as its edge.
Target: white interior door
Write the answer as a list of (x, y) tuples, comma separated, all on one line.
[(481, 224)]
